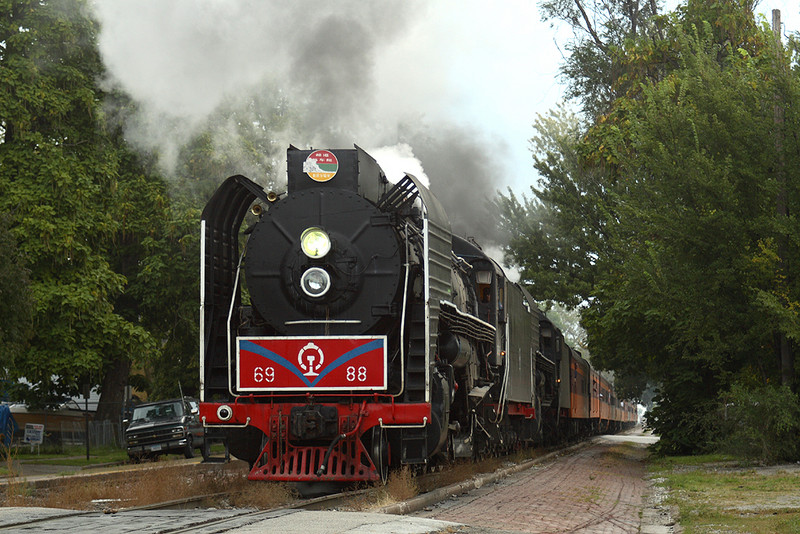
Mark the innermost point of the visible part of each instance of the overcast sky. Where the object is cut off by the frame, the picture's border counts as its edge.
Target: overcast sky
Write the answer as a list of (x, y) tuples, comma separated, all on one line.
[(460, 81)]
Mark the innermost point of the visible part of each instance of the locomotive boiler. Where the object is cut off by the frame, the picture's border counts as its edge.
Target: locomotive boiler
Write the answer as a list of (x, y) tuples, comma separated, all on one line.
[(345, 329)]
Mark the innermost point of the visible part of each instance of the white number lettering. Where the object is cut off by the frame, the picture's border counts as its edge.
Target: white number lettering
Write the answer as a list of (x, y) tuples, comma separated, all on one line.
[(352, 376), (260, 374)]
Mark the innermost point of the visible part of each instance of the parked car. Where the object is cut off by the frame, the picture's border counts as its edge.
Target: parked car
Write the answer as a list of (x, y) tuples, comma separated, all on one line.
[(170, 426)]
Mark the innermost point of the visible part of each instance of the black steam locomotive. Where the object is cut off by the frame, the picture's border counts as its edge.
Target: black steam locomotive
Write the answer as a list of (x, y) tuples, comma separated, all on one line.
[(356, 332)]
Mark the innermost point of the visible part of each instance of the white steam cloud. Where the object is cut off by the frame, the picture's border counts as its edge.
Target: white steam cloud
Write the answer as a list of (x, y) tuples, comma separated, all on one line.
[(344, 72), (399, 160)]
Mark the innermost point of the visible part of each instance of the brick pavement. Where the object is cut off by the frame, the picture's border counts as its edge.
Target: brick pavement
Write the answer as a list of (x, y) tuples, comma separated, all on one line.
[(597, 489)]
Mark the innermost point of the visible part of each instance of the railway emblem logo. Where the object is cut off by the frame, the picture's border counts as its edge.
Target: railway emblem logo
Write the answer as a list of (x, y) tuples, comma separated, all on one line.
[(310, 359), (321, 165), (325, 363)]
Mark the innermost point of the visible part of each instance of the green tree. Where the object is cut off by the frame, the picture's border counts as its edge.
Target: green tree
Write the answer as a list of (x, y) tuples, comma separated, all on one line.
[(154, 248), (696, 210), (596, 63), (15, 301), (759, 423), (557, 235), (671, 195), (58, 178), (165, 289)]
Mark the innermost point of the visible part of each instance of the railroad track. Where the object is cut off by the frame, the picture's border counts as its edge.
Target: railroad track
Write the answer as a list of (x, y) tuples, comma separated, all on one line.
[(192, 514), (195, 521)]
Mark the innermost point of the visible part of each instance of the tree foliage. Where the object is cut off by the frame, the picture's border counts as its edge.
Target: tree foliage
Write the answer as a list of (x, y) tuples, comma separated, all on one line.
[(112, 260), (660, 213), (594, 68), (556, 235), (15, 300), (760, 423), (109, 248), (56, 172)]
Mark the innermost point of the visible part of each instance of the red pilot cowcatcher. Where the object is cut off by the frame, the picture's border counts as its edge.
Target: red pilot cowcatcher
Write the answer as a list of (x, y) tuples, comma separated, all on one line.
[(344, 455), (323, 438)]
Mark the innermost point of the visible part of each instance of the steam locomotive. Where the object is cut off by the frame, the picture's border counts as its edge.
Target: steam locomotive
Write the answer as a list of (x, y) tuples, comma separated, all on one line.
[(355, 332)]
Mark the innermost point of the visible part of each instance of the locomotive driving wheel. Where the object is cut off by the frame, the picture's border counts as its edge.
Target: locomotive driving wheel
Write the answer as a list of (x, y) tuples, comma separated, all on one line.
[(379, 452)]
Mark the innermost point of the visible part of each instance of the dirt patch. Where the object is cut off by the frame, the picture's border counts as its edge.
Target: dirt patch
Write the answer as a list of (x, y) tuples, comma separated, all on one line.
[(146, 486)]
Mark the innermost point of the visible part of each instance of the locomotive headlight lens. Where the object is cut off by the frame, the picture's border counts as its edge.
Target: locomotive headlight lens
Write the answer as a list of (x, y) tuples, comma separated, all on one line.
[(224, 412), (315, 282), (315, 242)]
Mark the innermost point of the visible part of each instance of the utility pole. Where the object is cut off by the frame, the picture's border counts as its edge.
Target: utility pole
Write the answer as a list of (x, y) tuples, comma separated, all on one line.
[(87, 390), (783, 347)]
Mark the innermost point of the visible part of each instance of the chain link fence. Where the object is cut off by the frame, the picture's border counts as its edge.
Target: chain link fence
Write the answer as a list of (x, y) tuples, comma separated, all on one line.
[(101, 434)]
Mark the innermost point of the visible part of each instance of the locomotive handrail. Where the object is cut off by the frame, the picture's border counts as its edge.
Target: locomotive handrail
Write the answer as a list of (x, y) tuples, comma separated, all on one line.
[(323, 321), (421, 425), (202, 347), (246, 423), (230, 319), (403, 316), (501, 405)]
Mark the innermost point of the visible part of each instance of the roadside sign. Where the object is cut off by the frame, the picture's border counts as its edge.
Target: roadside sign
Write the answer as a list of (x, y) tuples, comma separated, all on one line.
[(34, 433)]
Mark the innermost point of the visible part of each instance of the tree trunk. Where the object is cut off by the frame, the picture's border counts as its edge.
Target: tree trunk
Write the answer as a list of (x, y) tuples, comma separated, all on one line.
[(112, 396), (787, 362)]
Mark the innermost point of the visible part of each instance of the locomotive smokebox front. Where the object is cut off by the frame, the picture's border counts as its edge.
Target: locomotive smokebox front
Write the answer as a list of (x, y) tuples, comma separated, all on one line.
[(324, 255)]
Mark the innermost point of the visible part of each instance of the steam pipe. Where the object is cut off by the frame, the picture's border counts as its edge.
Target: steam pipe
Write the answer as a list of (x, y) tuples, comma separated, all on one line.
[(324, 466)]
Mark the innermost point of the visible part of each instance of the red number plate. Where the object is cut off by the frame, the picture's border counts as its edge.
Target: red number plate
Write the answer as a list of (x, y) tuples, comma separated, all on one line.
[(310, 364)]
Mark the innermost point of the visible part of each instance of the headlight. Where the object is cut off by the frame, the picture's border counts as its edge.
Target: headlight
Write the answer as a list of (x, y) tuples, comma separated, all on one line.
[(315, 242), (315, 282), (224, 412)]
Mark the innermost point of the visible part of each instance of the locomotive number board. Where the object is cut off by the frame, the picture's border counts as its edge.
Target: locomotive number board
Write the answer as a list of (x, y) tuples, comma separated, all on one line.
[(311, 364)]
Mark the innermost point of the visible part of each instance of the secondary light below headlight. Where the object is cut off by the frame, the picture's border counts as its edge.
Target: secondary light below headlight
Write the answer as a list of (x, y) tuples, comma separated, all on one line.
[(315, 242), (315, 282)]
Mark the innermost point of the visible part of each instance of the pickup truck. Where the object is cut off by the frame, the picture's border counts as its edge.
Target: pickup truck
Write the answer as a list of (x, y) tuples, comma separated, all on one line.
[(170, 426)]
